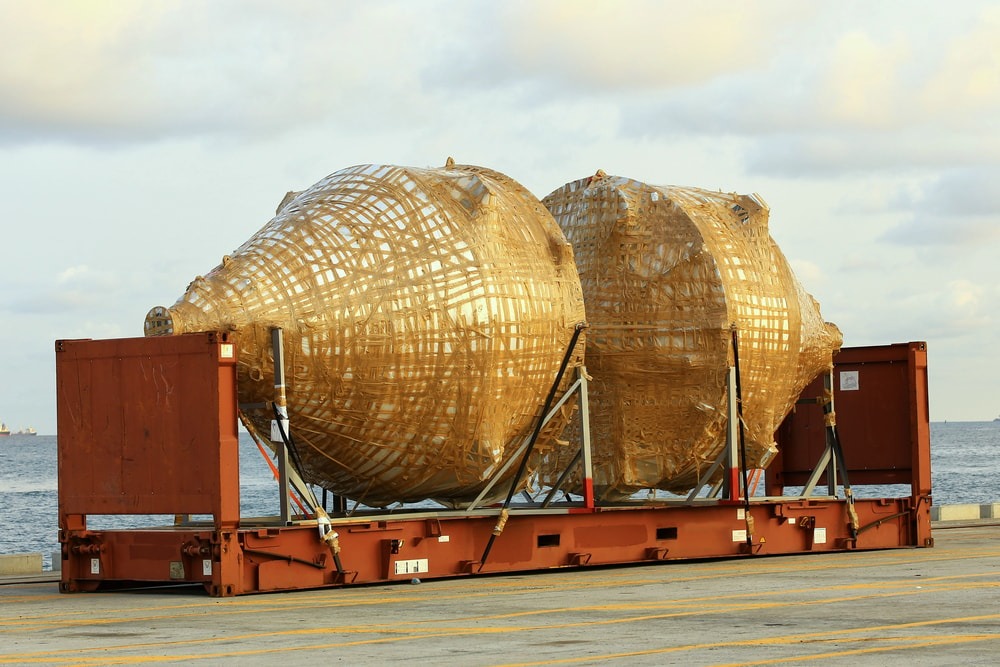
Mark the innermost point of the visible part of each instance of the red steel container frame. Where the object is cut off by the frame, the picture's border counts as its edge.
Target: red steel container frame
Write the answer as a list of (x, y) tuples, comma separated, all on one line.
[(149, 426)]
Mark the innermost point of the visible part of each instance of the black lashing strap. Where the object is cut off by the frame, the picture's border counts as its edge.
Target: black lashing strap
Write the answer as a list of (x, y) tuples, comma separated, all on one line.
[(833, 442)]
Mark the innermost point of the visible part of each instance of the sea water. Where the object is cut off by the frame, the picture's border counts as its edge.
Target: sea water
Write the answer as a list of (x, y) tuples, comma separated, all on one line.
[(964, 469)]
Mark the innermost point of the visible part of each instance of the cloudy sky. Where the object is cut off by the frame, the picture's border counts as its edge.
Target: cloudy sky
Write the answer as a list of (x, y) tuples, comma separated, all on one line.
[(142, 141)]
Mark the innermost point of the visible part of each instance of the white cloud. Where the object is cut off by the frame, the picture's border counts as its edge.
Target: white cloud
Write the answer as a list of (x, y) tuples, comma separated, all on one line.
[(964, 294), (851, 95), (966, 80), (69, 292), (862, 87), (859, 261), (960, 207), (118, 72), (808, 272), (72, 273), (601, 46), (139, 142)]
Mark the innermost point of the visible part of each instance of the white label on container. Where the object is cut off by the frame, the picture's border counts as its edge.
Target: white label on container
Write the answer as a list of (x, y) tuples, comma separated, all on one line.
[(95, 565), (206, 567), (415, 566), (741, 514), (819, 536), (849, 381), (226, 351), (739, 536), (444, 538)]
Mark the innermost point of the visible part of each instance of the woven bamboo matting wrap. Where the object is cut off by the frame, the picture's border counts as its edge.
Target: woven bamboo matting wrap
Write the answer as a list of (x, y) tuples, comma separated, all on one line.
[(425, 316), (665, 272)]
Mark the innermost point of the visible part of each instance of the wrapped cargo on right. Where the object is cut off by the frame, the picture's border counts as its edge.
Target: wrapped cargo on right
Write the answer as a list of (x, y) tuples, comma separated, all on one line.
[(666, 272)]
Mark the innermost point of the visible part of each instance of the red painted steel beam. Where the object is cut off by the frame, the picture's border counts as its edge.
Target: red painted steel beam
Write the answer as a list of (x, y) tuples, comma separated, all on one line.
[(146, 426), (387, 549), (176, 434), (880, 395)]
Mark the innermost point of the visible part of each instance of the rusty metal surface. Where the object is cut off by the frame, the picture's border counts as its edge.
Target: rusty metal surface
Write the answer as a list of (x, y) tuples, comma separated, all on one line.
[(271, 558), (148, 426), (144, 428), (882, 420)]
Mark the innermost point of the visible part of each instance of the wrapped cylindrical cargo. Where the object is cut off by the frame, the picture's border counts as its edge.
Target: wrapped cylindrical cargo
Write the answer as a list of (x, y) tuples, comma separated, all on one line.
[(666, 272), (425, 315)]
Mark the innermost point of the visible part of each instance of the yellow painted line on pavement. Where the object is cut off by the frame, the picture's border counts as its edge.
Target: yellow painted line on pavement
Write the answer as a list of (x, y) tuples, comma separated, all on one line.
[(420, 630)]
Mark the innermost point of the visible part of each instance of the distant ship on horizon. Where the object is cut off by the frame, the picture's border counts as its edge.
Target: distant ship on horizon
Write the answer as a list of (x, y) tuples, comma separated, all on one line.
[(4, 431)]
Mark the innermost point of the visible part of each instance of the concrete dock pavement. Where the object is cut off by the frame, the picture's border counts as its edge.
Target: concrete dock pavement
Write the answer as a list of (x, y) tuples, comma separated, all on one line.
[(926, 606)]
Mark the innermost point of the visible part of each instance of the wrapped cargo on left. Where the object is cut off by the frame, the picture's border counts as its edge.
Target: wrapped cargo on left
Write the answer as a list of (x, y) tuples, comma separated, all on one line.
[(425, 315)]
